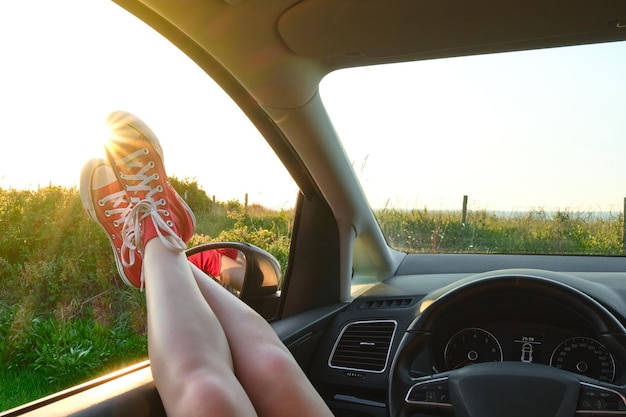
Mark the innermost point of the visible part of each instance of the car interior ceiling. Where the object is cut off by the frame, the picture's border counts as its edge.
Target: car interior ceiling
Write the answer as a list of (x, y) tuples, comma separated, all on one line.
[(325, 37)]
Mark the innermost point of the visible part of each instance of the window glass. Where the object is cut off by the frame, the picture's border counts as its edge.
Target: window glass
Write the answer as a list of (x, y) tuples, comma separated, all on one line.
[(64, 314), (513, 152)]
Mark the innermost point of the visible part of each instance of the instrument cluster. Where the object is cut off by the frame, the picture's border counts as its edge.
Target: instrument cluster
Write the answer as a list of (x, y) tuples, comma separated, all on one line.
[(570, 349)]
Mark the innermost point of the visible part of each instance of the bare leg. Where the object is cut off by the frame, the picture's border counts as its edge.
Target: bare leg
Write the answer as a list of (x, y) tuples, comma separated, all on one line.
[(211, 355), (271, 377), (191, 360)]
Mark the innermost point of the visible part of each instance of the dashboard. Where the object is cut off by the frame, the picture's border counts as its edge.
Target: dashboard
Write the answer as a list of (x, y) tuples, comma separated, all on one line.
[(545, 319)]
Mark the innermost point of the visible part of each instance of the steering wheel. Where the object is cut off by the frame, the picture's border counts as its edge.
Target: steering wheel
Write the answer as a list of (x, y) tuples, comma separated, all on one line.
[(512, 389)]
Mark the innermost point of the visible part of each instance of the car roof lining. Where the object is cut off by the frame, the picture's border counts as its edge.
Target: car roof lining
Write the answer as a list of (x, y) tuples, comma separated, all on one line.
[(322, 28), (282, 53)]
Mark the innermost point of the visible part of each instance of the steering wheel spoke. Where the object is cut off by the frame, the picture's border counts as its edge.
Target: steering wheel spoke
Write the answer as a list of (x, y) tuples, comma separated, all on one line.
[(511, 389), (430, 394), (596, 398)]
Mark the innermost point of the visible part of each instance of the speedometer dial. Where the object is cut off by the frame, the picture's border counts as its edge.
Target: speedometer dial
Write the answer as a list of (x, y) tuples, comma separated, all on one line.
[(472, 345), (584, 356)]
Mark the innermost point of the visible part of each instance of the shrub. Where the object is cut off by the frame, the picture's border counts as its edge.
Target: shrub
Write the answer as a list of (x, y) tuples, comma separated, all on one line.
[(194, 195)]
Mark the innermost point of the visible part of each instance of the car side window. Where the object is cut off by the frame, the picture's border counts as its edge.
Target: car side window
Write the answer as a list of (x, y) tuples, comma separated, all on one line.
[(65, 316)]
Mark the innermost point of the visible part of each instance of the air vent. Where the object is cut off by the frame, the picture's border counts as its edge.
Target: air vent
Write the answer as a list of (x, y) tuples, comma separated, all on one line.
[(364, 346), (387, 303)]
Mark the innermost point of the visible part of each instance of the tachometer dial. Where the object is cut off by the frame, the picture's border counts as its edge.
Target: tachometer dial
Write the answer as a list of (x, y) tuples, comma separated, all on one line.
[(584, 356), (472, 345)]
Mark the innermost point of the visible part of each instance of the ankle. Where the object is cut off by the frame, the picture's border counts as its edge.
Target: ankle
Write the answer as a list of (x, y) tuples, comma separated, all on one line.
[(169, 236)]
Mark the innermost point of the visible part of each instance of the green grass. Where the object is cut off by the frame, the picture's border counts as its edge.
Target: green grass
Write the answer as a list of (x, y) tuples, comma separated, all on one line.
[(535, 232), (23, 385), (41, 355), (20, 386)]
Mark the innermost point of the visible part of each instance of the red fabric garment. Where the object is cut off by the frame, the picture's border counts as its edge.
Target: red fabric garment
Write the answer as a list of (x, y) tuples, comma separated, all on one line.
[(210, 261)]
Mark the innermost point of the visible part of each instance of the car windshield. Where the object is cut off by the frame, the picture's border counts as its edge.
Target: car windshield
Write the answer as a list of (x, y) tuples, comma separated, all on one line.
[(504, 153)]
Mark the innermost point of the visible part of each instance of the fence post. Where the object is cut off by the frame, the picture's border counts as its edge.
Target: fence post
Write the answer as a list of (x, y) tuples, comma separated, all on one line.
[(464, 212)]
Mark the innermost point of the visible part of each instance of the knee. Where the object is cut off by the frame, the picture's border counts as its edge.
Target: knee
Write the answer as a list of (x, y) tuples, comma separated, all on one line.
[(202, 395), (275, 361)]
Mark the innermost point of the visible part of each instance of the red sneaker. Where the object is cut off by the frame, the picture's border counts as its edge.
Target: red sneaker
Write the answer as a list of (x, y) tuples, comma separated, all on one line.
[(157, 210), (106, 202)]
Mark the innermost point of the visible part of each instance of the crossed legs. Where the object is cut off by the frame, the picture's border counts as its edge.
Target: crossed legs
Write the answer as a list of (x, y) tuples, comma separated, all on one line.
[(211, 354)]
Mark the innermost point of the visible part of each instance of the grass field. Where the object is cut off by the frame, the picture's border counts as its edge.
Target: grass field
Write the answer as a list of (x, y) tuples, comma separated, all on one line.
[(65, 317), (538, 232)]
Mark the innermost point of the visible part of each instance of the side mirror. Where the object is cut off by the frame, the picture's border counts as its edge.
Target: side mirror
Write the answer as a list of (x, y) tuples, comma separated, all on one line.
[(252, 273)]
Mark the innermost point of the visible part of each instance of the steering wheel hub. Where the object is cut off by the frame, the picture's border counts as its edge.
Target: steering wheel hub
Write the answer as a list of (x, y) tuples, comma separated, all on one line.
[(512, 389)]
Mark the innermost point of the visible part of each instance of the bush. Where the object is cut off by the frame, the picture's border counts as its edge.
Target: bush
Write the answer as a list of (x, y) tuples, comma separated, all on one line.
[(194, 195), (65, 315)]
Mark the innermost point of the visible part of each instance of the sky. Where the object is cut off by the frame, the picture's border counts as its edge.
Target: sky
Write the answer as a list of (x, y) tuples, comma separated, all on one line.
[(67, 64), (536, 130), (510, 133)]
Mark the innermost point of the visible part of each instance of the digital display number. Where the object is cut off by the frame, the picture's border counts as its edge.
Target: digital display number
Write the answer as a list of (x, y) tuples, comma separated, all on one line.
[(527, 349)]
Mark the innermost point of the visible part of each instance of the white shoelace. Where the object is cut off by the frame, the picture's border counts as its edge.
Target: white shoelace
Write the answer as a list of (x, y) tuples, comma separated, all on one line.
[(143, 209), (148, 206), (127, 253), (143, 180)]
